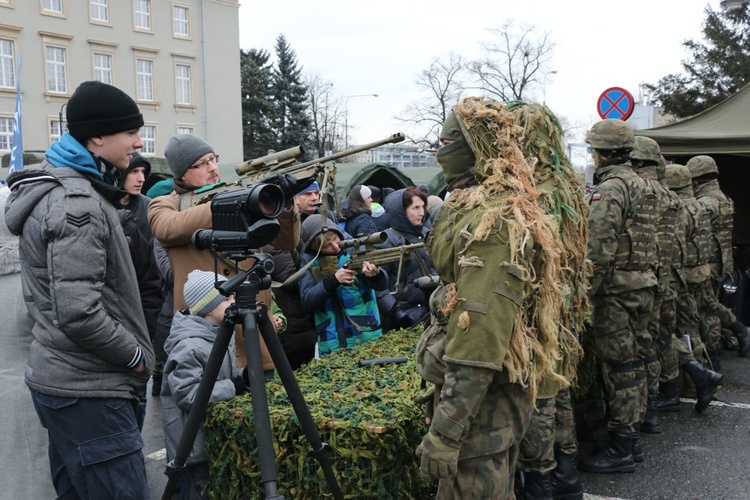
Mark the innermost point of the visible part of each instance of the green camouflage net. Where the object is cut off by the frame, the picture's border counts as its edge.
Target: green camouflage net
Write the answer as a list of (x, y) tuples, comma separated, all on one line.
[(366, 415)]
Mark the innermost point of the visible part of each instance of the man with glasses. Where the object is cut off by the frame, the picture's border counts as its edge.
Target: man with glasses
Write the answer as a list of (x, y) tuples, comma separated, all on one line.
[(194, 165)]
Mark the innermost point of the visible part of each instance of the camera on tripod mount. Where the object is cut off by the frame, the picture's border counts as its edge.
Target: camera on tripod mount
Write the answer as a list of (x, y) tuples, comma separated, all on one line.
[(242, 219)]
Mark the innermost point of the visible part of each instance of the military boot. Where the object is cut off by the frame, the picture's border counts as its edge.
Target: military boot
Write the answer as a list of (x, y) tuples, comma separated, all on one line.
[(651, 422), (564, 479), (638, 455), (743, 337), (713, 357), (668, 399), (616, 457), (706, 382), (535, 486)]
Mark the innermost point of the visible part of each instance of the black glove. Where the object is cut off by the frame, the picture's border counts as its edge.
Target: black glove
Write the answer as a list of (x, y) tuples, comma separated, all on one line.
[(289, 185), (239, 385)]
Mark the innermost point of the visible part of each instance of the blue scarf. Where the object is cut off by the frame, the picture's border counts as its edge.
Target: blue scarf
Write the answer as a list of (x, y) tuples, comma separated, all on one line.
[(68, 152)]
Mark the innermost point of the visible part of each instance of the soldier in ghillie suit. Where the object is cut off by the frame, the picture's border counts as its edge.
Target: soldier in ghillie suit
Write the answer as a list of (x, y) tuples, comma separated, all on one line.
[(679, 317), (622, 249), (705, 174), (510, 245)]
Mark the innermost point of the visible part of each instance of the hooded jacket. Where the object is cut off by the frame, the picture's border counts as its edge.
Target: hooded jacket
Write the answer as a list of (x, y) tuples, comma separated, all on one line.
[(78, 281), (345, 315), (408, 304), (188, 347)]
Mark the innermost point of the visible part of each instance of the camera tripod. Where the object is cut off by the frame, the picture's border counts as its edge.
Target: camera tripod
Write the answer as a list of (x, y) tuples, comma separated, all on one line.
[(254, 317)]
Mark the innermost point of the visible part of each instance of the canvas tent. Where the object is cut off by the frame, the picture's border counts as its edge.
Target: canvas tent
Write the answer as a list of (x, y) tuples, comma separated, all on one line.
[(722, 132), (377, 174)]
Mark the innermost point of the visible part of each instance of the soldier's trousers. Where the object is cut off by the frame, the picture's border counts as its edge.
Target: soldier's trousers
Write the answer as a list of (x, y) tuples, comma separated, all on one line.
[(538, 444), (708, 310), (666, 344), (622, 343), (565, 425), (652, 359)]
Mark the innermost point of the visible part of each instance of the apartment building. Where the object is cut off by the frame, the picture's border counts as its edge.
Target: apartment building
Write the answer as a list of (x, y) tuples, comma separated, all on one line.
[(180, 61)]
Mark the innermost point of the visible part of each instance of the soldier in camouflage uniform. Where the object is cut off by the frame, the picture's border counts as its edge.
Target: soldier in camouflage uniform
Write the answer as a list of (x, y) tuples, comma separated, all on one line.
[(622, 250), (503, 300), (705, 173), (646, 157), (679, 317)]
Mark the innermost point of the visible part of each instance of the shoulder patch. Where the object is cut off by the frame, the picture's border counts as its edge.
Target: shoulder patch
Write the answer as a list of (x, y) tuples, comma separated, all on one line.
[(78, 221), (596, 196)]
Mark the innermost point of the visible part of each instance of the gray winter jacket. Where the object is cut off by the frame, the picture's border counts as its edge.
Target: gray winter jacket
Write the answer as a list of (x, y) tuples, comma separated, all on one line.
[(79, 287), (188, 346)]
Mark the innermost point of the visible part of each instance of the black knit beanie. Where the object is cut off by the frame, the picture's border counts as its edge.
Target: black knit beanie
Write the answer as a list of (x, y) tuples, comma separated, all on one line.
[(97, 109), (136, 161)]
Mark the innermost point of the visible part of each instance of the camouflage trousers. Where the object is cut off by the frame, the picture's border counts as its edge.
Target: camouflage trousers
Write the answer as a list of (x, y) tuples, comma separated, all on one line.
[(488, 456), (622, 343), (708, 309), (652, 361), (726, 316), (666, 343)]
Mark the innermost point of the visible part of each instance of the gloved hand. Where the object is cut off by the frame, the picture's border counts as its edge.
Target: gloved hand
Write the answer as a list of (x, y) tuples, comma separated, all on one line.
[(289, 185), (438, 459), (239, 385), (427, 398)]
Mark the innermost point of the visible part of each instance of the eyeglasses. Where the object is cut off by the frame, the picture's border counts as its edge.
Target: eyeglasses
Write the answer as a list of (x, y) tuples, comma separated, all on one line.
[(211, 159)]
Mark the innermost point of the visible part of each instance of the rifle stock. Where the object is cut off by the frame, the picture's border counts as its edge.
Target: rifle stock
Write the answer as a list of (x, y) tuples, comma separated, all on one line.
[(282, 162)]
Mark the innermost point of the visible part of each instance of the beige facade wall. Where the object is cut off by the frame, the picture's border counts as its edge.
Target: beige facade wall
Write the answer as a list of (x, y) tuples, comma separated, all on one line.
[(195, 76)]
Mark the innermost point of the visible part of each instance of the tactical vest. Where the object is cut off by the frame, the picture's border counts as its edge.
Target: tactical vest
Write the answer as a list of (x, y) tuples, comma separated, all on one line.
[(721, 237), (668, 216), (679, 256), (636, 243), (699, 242)]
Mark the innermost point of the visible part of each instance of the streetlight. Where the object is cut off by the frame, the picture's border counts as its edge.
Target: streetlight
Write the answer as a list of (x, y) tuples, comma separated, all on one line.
[(732, 4), (346, 116), (544, 86)]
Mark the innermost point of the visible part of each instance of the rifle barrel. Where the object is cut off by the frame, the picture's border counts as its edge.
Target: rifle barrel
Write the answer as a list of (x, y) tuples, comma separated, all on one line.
[(398, 137)]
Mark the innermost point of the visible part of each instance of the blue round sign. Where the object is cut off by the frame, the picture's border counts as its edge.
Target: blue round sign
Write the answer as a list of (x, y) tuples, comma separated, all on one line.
[(616, 103)]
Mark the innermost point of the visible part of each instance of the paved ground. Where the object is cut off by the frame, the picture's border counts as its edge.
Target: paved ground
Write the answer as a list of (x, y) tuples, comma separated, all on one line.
[(696, 457)]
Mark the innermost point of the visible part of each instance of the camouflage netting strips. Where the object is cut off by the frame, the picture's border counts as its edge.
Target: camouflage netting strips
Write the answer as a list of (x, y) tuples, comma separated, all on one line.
[(366, 415)]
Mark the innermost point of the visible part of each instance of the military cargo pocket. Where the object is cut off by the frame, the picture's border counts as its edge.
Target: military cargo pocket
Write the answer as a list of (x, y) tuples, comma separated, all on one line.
[(617, 347), (486, 442)]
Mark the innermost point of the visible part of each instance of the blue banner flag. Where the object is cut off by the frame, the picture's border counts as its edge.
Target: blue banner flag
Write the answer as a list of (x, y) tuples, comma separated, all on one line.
[(16, 149)]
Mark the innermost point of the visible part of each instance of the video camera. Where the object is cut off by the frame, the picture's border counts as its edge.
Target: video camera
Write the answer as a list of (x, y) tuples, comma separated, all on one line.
[(242, 219)]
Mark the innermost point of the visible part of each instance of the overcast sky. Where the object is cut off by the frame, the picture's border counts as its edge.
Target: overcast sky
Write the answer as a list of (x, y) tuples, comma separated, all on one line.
[(381, 47)]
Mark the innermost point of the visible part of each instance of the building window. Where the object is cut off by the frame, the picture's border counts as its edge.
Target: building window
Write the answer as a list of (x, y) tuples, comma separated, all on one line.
[(145, 78), (54, 7), (57, 81), (103, 68), (148, 136), (142, 13), (7, 64), (183, 83), (7, 3), (181, 21), (100, 11), (6, 133), (182, 129), (56, 129)]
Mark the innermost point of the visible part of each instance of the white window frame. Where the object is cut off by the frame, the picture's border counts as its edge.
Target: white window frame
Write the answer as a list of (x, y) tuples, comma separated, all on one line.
[(99, 12), (56, 42), (186, 129), (8, 64), (179, 23), (54, 67), (56, 128), (8, 3), (101, 72), (145, 90), (148, 137), (6, 132), (139, 15), (183, 84), (48, 7)]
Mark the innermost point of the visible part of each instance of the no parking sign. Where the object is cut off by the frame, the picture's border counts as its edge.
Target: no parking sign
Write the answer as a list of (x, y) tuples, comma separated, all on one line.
[(616, 103)]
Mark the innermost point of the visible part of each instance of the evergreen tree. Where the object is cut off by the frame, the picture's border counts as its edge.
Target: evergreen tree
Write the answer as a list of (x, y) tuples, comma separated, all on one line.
[(292, 122), (257, 106), (719, 65)]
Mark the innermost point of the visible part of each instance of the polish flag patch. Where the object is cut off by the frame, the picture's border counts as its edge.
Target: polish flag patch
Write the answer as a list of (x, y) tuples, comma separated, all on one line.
[(596, 196)]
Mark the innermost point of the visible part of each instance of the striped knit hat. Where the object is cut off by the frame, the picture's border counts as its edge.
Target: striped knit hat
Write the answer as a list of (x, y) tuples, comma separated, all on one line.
[(201, 295)]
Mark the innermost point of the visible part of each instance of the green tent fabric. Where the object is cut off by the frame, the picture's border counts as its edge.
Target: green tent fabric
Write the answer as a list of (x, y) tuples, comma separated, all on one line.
[(377, 174), (421, 175)]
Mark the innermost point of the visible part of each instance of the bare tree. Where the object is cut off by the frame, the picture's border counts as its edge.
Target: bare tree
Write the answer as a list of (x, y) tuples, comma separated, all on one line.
[(516, 59), (442, 85), (325, 113)]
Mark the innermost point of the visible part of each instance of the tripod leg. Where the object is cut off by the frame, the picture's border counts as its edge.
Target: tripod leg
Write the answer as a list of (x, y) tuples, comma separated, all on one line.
[(297, 399), (198, 409), (263, 433)]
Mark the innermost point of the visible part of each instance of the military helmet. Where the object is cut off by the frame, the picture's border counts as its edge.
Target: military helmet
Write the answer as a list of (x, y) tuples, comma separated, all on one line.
[(611, 134), (678, 176), (646, 149), (702, 165)]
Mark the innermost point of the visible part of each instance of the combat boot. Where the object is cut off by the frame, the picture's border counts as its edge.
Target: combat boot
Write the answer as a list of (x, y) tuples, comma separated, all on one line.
[(638, 455), (651, 422), (706, 382), (743, 337), (713, 358), (564, 479), (668, 399), (616, 457), (535, 486)]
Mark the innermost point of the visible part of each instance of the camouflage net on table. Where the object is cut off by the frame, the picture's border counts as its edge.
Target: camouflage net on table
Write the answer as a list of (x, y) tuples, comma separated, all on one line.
[(365, 414)]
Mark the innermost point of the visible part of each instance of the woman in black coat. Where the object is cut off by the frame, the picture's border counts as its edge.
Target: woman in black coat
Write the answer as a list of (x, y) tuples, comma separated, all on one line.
[(357, 212)]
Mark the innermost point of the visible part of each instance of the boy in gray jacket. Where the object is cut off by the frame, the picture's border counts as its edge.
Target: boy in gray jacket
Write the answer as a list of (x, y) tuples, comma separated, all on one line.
[(188, 347)]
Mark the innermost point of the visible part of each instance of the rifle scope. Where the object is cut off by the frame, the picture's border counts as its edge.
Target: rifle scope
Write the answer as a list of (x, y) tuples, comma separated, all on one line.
[(372, 239)]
